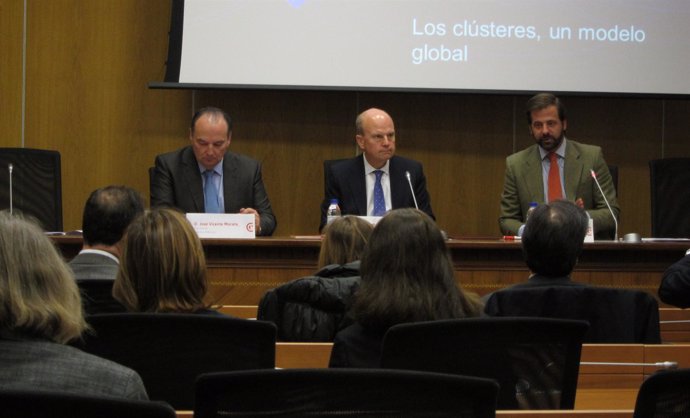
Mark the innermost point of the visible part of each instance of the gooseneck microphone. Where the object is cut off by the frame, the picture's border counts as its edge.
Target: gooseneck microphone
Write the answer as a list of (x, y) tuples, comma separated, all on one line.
[(9, 168), (615, 221), (409, 181)]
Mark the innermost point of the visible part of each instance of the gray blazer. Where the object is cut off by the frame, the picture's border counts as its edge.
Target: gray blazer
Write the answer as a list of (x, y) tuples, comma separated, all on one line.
[(524, 184), (177, 182), (41, 364), (93, 266)]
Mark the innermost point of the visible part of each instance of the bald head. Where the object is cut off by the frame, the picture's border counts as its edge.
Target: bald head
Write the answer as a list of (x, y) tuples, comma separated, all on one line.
[(375, 136)]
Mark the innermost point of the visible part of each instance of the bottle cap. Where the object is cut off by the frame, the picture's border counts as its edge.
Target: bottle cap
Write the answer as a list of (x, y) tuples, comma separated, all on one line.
[(334, 201)]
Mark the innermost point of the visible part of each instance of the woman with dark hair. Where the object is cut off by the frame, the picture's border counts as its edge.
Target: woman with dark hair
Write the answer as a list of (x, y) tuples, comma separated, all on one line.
[(163, 266), (313, 308), (407, 276), (40, 312)]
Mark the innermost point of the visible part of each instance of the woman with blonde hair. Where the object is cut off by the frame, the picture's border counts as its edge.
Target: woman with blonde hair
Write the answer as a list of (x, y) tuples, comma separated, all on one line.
[(313, 308), (344, 240), (163, 266), (40, 311), (407, 276)]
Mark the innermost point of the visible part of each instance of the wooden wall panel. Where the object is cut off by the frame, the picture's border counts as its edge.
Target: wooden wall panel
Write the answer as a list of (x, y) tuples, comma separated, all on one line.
[(89, 62), (11, 28), (88, 65)]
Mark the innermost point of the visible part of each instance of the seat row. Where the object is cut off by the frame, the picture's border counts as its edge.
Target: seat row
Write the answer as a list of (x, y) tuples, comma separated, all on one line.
[(535, 361)]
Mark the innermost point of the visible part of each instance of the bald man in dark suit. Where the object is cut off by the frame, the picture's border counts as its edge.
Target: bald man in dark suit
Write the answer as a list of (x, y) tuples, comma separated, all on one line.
[(352, 181)]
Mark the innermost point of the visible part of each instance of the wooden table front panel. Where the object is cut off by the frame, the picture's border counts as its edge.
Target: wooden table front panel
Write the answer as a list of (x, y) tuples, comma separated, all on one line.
[(241, 271)]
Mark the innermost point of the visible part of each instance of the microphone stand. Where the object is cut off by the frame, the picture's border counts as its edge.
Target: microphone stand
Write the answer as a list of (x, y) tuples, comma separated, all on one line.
[(9, 168), (615, 221)]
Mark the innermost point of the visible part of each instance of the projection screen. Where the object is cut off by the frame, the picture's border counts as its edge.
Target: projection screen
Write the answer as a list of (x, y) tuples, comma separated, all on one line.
[(588, 46)]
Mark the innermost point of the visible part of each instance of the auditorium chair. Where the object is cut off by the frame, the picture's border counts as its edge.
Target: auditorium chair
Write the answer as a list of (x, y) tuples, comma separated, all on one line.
[(170, 350), (670, 197), (36, 184), (50, 404), (534, 360), (619, 316), (343, 393), (665, 394), (97, 297)]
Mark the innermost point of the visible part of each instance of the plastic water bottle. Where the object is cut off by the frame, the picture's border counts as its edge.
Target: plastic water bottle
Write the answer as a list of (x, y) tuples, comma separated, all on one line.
[(532, 206), (333, 211)]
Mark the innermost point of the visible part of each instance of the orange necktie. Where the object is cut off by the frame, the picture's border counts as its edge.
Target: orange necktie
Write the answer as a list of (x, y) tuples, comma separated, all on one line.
[(554, 178)]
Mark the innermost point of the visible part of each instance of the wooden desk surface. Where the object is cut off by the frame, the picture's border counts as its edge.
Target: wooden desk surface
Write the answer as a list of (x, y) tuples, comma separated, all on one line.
[(241, 271)]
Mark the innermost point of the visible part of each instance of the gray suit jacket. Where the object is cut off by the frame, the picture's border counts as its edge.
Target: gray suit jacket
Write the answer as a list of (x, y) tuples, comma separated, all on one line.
[(91, 266), (524, 184), (177, 182), (41, 364)]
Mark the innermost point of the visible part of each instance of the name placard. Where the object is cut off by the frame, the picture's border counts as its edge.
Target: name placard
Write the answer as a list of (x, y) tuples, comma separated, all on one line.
[(223, 225)]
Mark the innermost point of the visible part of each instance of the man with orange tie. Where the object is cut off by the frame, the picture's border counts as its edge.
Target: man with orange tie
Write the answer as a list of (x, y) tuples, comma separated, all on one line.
[(556, 168)]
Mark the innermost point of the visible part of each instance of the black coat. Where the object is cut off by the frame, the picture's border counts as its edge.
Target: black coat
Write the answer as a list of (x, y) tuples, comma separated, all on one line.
[(311, 308)]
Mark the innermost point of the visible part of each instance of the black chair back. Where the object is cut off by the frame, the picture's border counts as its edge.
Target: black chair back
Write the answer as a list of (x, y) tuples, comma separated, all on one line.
[(42, 404), (670, 197), (665, 394), (616, 316), (97, 297), (343, 393), (170, 350), (535, 361), (36, 184)]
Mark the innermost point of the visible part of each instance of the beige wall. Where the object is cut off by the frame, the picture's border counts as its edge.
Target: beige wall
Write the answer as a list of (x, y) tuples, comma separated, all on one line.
[(89, 62)]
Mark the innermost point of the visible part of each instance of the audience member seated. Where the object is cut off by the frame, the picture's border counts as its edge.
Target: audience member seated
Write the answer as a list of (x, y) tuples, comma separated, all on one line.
[(551, 243), (107, 213), (407, 276), (312, 308), (40, 311), (675, 283), (163, 267)]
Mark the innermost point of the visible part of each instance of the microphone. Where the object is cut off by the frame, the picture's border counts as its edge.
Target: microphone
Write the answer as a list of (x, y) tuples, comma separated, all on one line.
[(615, 221), (409, 181), (9, 168)]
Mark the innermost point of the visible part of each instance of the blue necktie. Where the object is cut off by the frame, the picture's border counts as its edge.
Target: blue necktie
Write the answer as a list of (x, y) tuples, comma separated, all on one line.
[(379, 201), (210, 193)]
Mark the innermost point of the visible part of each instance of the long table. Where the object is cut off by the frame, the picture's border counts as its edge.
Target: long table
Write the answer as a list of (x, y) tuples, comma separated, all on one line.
[(241, 271)]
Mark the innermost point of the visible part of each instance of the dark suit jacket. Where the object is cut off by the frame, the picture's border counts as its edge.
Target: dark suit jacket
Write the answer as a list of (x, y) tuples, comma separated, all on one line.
[(614, 315), (177, 182), (524, 184), (345, 181), (311, 308), (675, 284)]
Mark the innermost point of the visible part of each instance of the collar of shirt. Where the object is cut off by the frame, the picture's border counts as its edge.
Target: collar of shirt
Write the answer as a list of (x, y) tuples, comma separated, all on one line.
[(218, 169), (368, 168), (100, 252)]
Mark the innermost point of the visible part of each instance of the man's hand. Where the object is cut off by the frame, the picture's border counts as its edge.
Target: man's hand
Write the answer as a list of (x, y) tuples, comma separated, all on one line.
[(257, 218)]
